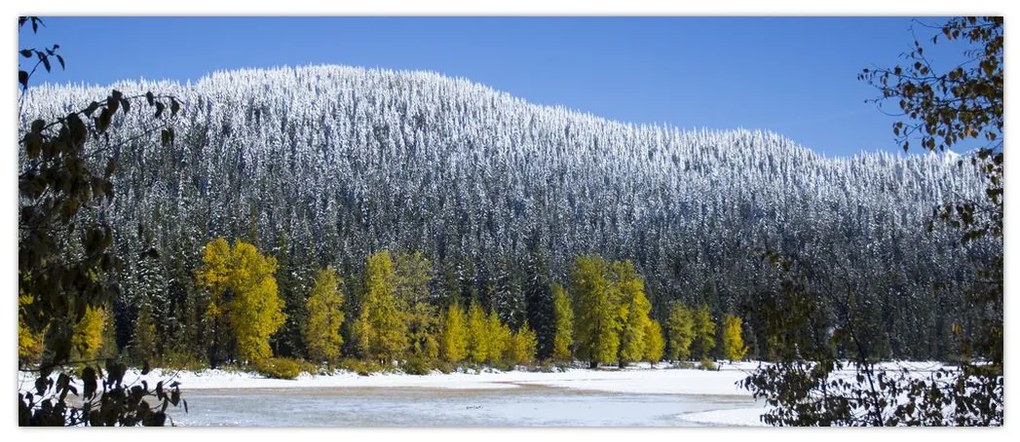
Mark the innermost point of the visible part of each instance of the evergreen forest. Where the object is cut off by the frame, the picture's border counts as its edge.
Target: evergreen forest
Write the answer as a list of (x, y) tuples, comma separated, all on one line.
[(370, 218)]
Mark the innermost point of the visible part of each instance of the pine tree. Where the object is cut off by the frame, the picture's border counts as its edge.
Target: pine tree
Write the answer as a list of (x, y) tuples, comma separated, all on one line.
[(381, 328), (412, 273), (478, 334), (325, 316), (294, 277), (654, 344), (144, 338), (704, 332), (732, 342), (635, 308), (539, 300), (680, 326), (563, 314), (597, 315), (454, 339)]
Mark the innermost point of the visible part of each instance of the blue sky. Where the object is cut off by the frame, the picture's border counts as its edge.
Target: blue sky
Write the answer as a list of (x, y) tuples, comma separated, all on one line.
[(796, 76)]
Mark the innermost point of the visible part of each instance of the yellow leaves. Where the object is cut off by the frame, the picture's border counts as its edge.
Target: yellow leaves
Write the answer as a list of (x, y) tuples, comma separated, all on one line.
[(454, 339), (381, 328), (88, 333), (654, 345), (325, 316), (732, 341), (478, 336), (704, 331), (215, 273), (212, 311), (611, 310), (522, 346), (563, 316), (681, 332), (499, 337), (634, 308), (30, 345), (255, 311), (597, 314)]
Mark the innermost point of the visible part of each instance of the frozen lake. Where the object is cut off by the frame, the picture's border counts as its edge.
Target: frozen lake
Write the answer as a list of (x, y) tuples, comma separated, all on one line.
[(527, 406)]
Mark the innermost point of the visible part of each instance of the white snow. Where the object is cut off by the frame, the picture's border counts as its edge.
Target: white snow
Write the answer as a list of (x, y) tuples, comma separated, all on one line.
[(736, 417), (635, 380), (639, 380), (632, 380)]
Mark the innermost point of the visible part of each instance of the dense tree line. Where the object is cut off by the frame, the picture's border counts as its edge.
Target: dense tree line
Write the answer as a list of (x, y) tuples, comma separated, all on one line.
[(327, 166)]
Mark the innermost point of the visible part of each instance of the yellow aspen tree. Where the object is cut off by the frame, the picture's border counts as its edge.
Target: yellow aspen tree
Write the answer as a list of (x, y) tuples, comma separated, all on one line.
[(704, 332), (381, 327), (680, 328), (732, 341), (499, 338), (254, 310), (596, 311), (30, 345), (453, 342), (523, 344), (478, 334), (325, 316), (634, 308), (214, 276), (87, 339), (563, 317), (654, 343)]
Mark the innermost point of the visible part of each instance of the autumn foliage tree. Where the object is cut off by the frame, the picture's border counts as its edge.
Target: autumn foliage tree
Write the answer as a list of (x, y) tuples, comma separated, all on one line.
[(478, 334), (596, 311), (733, 347), (704, 332), (381, 327), (522, 346), (563, 316), (453, 342), (499, 338), (88, 333), (242, 291), (325, 316), (654, 345), (680, 327), (634, 308)]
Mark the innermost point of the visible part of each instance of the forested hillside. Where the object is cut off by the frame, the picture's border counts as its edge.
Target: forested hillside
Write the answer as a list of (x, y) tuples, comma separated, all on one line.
[(324, 166)]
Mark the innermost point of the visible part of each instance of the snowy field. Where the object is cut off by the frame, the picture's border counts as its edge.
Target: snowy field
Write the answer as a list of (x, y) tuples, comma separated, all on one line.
[(699, 397)]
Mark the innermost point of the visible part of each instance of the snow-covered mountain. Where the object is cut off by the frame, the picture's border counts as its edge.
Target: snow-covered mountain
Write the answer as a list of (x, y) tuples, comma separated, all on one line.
[(325, 164)]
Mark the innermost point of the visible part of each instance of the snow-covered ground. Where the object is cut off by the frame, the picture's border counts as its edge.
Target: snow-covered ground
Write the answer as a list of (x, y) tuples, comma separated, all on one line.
[(635, 380), (632, 380)]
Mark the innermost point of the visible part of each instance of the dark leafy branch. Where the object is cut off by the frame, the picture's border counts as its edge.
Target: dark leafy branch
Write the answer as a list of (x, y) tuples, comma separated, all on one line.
[(65, 262)]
